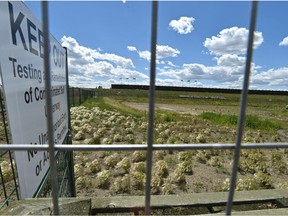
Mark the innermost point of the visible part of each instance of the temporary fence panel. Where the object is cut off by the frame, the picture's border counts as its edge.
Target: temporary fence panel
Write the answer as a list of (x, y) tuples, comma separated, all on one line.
[(150, 147), (23, 85)]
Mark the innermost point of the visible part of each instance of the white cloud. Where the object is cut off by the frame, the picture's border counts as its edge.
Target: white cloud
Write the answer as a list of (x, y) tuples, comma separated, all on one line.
[(230, 60), (89, 55), (171, 64), (228, 72), (166, 51), (190, 70), (183, 25), (231, 41), (163, 51), (272, 77), (86, 64), (145, 55), (91, 67), (284, 42), (166, 82), (229, 68), (118, 60), (81, 81), (131, 48), (201, 72)]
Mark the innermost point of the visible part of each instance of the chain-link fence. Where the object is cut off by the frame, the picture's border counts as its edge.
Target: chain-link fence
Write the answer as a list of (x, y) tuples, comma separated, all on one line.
[(79, 95)]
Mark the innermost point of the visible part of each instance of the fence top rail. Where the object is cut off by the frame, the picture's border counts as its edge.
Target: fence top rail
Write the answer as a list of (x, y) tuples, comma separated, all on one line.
[(129, 147)]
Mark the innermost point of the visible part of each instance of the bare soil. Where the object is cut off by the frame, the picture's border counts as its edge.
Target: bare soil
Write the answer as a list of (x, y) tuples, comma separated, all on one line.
[(194, 110), (197, 109)]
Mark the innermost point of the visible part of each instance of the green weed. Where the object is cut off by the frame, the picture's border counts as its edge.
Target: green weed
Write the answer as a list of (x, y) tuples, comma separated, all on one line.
[(255, 122), (252, 121)]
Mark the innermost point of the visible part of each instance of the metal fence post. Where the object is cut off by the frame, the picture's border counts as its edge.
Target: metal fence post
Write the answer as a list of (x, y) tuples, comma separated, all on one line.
[(69, 135), (14, 176), (73, 97), (53, 165), (3, 118), (3, 185), (241, 119), (79, 96), (150, 136)]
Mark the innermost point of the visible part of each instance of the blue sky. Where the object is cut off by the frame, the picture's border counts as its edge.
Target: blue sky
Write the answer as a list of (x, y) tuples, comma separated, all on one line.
[(199, 43)]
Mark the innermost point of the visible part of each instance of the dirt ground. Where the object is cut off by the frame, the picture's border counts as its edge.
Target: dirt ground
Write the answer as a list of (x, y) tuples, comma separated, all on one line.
[(196, 109), (183, 108)]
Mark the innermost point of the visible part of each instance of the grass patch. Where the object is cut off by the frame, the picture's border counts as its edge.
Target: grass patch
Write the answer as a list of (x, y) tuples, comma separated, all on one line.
[(219, 118), (92, 102), (252, 121), (164, 116), (120, 107), (255, 122), (105, 103)]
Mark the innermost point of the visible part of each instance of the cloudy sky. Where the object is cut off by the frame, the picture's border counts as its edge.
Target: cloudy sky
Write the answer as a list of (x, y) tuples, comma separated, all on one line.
[(199, 43)]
